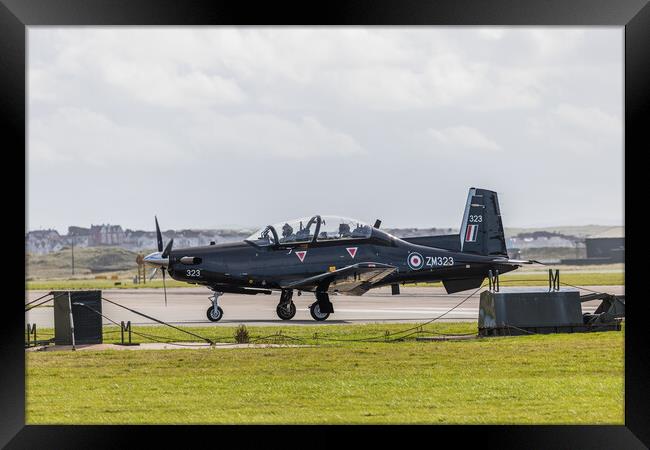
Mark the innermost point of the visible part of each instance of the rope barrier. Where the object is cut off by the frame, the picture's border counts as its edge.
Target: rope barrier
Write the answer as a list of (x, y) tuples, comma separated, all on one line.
[(34, 301), (209, 341), (583, 288), (42, 303), (370, 339)]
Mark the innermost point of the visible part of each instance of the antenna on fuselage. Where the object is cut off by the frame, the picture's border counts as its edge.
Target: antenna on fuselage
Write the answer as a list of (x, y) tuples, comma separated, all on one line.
[(377, 223)]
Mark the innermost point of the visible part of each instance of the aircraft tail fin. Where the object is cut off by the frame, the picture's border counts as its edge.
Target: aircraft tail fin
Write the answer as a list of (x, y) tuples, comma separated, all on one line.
[(481, 231)]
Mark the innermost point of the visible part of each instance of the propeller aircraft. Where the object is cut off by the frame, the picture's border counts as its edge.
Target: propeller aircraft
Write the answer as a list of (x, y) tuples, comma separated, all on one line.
[(327, 255)]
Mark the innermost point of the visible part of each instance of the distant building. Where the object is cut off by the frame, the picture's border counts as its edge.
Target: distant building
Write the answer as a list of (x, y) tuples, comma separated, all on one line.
[(604, 248), (78, 231), (190, 238), (136, 240), (540, 239), (105, 235), (78, 236), (46, 241), (43, 241), (610, 248)]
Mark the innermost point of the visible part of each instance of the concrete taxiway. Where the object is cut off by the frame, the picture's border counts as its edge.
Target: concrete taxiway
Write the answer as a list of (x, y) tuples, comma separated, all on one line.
[(187, 307)]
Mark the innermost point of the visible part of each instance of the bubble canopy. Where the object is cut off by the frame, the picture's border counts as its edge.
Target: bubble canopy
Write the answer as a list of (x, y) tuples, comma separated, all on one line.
[(302, 230)]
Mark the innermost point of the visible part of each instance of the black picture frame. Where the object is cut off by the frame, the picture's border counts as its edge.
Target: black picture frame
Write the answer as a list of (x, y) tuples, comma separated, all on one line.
[(634, 15)]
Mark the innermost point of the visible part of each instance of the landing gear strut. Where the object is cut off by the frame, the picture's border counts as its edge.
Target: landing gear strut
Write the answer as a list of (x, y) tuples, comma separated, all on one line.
[(286, 309), (214, 312)]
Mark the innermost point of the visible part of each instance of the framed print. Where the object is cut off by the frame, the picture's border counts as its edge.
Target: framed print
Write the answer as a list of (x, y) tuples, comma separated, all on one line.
[(371, 122)]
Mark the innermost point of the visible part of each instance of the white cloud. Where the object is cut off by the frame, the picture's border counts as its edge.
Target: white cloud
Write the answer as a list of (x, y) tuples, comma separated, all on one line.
[(235, 108), (589, 119), (383, 69), (568, 130), (77, 136), (41, 86), (73, 136), (461, 138), (173, 89), (269, 137), (491, 33), (558, 43)]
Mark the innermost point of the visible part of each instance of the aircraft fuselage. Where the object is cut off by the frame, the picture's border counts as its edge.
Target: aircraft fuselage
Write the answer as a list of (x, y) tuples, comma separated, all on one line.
[(245, 266)]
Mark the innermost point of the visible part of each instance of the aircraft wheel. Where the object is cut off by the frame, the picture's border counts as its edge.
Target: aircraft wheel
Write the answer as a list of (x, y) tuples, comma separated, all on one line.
[(286, 311), (215, 316), (317, 314)]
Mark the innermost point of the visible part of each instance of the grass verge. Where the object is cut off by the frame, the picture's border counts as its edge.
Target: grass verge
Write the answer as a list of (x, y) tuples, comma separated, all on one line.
[(89, 283), (550, 379)]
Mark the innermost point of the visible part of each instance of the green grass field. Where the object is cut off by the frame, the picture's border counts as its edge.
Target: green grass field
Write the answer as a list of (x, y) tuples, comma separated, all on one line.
[(89, 283), (568, 278), (516, 279), (552, 379)]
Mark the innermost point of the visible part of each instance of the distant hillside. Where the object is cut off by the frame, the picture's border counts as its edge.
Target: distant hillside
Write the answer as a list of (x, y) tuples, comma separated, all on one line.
[(86, 261), (551, 253), (580, 231)]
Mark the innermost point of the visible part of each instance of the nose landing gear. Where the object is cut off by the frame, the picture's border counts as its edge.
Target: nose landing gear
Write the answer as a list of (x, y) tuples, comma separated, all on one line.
[(214, 312), (286, 309)]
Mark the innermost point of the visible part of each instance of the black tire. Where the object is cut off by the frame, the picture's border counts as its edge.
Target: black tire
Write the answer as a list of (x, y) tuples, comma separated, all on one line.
[(286, 312), (314, 310), (214, 317)]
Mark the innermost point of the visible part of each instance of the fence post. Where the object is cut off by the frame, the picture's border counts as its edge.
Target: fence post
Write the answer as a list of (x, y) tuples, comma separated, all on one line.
[(71, 320), (553, 280), (493, 280)]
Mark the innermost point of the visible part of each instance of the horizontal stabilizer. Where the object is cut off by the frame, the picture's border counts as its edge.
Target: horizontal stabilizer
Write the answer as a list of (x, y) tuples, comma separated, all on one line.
[(514, 262)]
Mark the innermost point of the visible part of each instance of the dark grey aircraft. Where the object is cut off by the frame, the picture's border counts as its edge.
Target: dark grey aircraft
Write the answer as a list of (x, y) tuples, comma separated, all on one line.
[(329, 255)]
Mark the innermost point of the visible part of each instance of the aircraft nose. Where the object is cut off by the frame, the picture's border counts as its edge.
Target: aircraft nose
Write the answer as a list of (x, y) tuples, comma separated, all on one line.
[(155, 259)]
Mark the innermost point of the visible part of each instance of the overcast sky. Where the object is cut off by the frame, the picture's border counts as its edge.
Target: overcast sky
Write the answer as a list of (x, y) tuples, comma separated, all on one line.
[(216, 127)]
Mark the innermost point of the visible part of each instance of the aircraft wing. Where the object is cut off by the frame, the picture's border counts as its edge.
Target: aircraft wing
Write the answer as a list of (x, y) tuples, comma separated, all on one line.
[(352, 280)]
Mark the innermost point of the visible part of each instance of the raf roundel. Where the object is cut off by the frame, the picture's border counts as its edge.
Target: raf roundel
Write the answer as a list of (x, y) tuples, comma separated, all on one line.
[(415, 261)]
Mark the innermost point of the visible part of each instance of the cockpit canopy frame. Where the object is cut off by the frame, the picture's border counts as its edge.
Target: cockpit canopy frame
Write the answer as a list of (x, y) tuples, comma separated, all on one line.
[(310, 230)]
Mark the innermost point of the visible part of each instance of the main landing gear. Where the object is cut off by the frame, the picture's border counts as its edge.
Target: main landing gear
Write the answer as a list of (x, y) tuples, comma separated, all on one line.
[(319, 311), (214, 312), (286, 309), (322, 308)]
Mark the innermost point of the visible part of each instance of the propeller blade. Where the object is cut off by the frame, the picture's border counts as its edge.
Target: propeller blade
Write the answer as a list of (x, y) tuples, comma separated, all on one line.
[(168, 249), (158, 236), (164, 287), (153, 273)]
